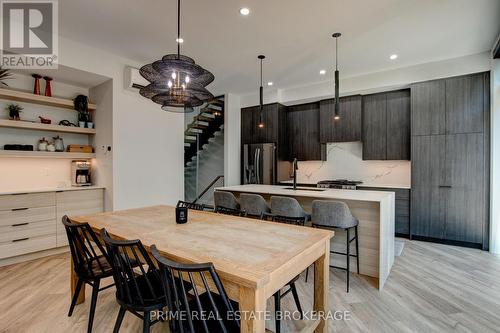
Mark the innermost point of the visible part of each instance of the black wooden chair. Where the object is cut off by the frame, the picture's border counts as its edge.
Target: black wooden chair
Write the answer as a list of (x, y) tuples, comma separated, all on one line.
[(291, 285), (207, 307), (90, 262), (138, 286), (194, 206), (229, 211)]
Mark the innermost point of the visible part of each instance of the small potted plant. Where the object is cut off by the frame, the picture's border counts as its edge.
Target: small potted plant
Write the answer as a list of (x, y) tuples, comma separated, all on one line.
[(14, 110), (4, 75)]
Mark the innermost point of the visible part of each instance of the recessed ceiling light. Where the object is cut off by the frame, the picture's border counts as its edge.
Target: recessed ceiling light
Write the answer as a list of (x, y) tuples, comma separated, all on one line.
[(179, 40), (393, 56), (322, 72), (270, 83), (244, 11)]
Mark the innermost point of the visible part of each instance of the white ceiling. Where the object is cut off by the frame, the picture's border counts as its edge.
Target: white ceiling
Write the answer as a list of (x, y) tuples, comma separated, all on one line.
[(293, 34)]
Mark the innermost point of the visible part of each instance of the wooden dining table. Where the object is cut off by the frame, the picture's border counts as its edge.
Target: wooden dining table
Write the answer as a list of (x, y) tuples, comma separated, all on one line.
[(253, 258)]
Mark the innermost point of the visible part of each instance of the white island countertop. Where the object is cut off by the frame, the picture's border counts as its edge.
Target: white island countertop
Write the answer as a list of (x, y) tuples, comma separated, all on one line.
[(374, 210), (312, 192), (363, 184)]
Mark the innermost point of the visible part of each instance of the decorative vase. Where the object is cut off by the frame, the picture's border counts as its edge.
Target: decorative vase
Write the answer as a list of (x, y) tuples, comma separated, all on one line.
[(48, 86), (36, 89)]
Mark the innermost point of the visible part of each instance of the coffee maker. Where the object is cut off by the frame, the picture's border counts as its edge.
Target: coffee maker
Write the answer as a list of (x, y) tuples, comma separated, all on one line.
[(80, 173)]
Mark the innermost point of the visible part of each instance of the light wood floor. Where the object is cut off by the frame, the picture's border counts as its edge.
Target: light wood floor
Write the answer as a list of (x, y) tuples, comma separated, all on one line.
[(432, 288)]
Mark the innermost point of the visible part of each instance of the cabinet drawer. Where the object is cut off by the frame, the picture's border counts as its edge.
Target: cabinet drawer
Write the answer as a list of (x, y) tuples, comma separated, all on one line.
[(401, 193), (74, 202), (403, 225), (32, 244), (27, 230), (28, 200), (26, 215), (402, 208)]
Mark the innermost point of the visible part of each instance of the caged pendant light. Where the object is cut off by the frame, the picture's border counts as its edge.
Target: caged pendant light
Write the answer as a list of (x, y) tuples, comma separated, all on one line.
[(176, 81), (337, 102), (261, 95)]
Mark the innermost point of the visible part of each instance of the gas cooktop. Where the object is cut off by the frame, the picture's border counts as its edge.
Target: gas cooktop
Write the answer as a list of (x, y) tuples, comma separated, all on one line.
[(344, 184)]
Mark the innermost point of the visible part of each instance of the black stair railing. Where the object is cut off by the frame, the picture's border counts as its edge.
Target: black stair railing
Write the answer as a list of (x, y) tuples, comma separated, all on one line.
[(212, 183)]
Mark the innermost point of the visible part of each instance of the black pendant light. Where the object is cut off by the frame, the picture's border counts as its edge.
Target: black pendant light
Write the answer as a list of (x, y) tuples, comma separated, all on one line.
[(261, 95), (337, 102), (176, 81)]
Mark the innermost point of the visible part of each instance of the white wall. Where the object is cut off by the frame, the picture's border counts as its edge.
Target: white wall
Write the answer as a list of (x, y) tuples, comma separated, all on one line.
[(232, 139), (344, 161), (102, 96), (495, 158), (147, 142)]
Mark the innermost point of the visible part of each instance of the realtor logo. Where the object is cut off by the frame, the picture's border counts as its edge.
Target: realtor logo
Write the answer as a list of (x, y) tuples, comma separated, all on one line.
[(29, 33)]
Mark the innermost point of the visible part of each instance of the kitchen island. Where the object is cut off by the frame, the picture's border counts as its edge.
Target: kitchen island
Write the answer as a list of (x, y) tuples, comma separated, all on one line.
[(374, 210)]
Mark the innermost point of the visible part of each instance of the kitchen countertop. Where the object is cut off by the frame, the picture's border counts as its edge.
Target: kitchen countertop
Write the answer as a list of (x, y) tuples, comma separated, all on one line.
[(406, 187), (356, 195), (50, 189)]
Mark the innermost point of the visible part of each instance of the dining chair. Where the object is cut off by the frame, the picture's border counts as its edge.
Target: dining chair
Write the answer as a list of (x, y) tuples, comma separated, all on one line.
[(254, 205), (329, 214), (90, 263), (192, 205), (207, 297), (299, 220), (139, 288)]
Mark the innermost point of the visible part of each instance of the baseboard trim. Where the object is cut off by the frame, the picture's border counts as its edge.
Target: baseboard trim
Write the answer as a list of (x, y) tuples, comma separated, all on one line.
[(448, 242), (397, 234), (32, 256)]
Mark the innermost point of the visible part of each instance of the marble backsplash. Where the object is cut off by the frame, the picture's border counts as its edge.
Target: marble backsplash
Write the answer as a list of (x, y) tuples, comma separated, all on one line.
[(344, 161)]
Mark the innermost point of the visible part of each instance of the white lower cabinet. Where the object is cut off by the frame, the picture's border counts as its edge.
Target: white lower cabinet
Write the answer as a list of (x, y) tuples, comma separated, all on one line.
[(31, 222), (73, 203)]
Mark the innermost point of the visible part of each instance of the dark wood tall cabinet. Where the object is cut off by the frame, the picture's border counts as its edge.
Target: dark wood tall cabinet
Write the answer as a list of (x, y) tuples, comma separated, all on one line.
[(386, 126), (450, 160), (348, 127)]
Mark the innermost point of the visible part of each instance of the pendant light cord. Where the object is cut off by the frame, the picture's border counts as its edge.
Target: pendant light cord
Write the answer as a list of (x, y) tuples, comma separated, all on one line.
[(178, 28)]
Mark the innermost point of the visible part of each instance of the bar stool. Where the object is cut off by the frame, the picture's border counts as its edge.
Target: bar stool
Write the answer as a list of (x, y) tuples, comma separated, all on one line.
[(254, 205), (329, 214), (288, 207), (225, 200), (288, 210)]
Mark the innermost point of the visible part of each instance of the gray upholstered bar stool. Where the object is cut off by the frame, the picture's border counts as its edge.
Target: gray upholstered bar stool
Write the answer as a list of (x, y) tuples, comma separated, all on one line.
[(337, 215), (288, 207), (226, 203), (254, 205)]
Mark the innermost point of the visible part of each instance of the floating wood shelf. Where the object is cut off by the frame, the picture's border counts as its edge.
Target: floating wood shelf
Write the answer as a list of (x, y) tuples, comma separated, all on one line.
[(44, 154), (45, 127), (21, 96)]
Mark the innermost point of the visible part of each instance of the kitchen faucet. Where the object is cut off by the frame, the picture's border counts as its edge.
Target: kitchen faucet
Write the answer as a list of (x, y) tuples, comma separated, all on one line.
[(295, 168)]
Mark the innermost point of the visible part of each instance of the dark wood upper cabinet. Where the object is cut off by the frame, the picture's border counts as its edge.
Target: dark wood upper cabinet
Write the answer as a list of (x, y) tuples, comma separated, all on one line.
[(428, 108), (375, 127), (449, 106), (386, 126), (465, 104), (273, 116), (348, 127), (398, 125), (303, 132)]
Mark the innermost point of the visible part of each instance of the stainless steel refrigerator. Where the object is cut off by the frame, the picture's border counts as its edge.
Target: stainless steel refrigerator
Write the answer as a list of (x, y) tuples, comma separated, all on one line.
[(259, 163)]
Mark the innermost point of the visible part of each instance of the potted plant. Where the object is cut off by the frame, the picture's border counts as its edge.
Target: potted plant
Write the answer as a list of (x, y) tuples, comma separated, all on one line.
[(4, 75), (81, 105), (14, 110)]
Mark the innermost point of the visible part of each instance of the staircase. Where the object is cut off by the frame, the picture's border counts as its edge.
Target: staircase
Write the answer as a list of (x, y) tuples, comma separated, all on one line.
[(203, 127), (204, 152)]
